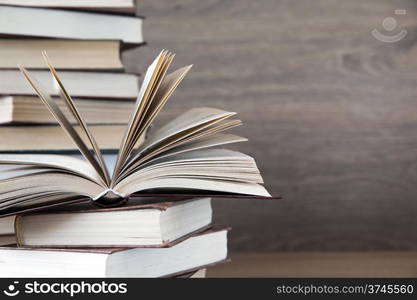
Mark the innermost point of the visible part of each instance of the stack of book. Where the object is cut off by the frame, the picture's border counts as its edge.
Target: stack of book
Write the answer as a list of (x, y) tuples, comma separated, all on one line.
[(145, 238), (146, 214), (84, 40)]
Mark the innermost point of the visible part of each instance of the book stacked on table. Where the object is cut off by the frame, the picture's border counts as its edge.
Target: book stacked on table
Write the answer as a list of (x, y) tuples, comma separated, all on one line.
[(147, 213), (84, 40), (145, 238)]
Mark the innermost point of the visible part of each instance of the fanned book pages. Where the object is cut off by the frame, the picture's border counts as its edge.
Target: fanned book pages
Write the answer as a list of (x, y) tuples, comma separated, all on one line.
[(183, 155)]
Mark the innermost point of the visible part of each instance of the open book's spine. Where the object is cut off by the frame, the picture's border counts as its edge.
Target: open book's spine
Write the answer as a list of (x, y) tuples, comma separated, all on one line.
[(110, 195), (109, 198)]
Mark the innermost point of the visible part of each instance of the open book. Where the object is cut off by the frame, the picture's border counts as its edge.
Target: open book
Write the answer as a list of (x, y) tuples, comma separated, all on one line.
[(176, 157)]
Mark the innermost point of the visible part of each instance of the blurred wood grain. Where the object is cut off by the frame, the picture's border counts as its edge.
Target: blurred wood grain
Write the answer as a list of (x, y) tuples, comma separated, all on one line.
[(319, 264), (330, 112)]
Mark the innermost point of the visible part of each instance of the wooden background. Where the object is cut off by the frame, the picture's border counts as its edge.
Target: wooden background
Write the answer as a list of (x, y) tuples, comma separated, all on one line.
[(331, 113)]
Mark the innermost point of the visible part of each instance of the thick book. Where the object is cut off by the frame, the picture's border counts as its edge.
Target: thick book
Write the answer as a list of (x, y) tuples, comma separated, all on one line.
[(79, 84), (127, 6), (149, 224), (196, 252), (66, 54), (50, 139), (183, 154), (26, 109), (66, 24)]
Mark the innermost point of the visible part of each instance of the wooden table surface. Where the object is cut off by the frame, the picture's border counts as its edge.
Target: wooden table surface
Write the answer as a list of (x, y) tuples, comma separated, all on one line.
[(319, 264)]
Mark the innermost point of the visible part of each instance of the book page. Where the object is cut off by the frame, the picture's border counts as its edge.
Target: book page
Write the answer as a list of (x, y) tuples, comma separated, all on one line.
[(73, 109), (48, 182), (148, 81), (189, 126), (203, 185), (216, 140), (191, 118), (64, 122), (208, 169), (156, 93), (65, 163)]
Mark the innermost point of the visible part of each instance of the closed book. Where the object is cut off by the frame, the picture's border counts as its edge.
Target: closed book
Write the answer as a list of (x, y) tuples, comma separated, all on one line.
[(150, 224), (80, 84), (66, 24), (194, 253), (50, 138), (26, 109), (66, 54), (124, 6)]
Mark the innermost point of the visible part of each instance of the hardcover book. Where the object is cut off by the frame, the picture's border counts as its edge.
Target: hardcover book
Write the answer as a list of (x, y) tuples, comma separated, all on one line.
[(26, 109), (149, 224), (80, 84), (127, 6), (66, 24), (49, 139), (66, 54), (196, 252)]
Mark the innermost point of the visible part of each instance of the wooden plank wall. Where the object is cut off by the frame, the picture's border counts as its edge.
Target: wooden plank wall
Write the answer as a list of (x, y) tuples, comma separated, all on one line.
[(331, 113)]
